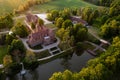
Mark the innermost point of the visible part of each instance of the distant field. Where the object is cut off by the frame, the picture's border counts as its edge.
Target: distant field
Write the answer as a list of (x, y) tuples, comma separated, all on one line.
[(61, 4), (9, 5)]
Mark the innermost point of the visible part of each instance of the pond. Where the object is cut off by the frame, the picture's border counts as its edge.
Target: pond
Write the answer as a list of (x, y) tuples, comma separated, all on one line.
[(44, 71)]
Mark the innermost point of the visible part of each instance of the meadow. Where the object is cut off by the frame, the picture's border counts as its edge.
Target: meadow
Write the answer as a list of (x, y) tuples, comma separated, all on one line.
[(61, 4), (7, 6)]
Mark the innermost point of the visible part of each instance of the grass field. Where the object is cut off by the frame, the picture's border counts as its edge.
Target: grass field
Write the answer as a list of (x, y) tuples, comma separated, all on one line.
[(9, 5), (61, 4), (3, 52)]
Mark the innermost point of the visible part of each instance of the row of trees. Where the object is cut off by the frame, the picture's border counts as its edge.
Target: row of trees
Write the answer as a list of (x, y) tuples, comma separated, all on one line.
[(111, 29), (101, 2), (110, 26), (69, 33), (16, 50), (20, 30), (29, 3), (54, 14), (105, 67), (16, 54), (88, 14), (6, 21)]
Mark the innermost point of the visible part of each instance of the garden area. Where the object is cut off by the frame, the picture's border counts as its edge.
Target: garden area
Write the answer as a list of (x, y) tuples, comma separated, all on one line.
[(42, 54)]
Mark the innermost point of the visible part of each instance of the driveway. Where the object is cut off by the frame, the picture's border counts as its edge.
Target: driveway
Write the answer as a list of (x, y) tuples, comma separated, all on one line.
[(44, 47), (43, 16)]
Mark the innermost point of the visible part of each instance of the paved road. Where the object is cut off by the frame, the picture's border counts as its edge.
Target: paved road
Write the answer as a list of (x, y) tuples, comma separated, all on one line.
[(1, 66), (96, 36), (43, 16), (97, 46), (5, 32), (54, 54), (44, 47)]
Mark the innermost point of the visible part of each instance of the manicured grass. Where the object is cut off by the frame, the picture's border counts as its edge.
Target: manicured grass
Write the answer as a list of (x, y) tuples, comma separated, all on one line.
[(3, 52), (88, 46), (94, 30), (50, 25), (37, 47), (42, 54), (21, 20), (61, 4), (9, 5)]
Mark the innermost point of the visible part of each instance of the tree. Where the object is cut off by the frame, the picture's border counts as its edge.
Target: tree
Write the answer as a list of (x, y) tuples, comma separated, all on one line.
[(66, 40), (65, 14), (20, 30), (30, 56), (86, 13), (115, 8), (74, 11), (67, 24), (17, 50), (9, 39), (59, 22), (53, 15), (93, 16), (16, 45), (104, 67), (79, 32), (41, 22), (56, 76), (60, 33), (7, 60), (67, 75), (6, 21), (2, 39), (111, 29), (33, 25)]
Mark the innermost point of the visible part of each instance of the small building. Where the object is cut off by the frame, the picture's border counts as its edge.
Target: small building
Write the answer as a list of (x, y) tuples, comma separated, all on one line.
[(41, 34), (76, 20)]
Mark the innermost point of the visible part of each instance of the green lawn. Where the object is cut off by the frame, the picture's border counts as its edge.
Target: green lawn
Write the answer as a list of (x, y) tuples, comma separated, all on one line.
[(42, 54), (3, 52), (50, 25), (9, 5), (61, 4), (95, 31)]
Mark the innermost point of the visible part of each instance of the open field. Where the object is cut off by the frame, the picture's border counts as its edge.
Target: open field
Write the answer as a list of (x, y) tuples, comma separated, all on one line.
[(3, 52), (9, 5), (61, 4)]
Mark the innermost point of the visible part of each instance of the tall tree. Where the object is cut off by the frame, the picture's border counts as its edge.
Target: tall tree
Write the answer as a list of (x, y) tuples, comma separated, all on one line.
[(7, 60), (20, 30), (67, 24), (17, 50), (59, 22)]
